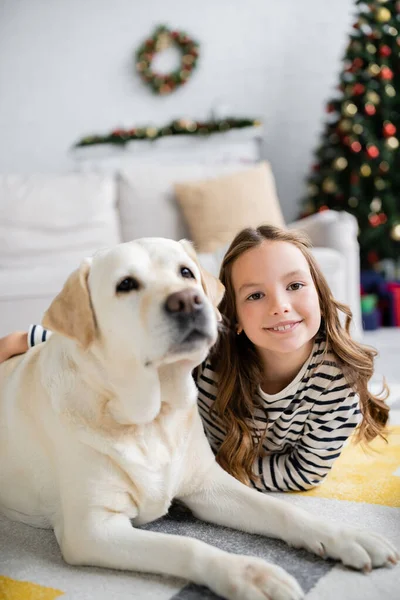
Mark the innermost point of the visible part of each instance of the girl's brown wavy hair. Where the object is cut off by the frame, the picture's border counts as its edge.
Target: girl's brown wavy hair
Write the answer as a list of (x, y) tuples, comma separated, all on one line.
[(239, 370)]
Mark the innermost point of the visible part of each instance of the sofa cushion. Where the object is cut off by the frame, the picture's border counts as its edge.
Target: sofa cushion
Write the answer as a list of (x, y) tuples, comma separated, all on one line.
[(216, 209), (48, 219), (147, 201)]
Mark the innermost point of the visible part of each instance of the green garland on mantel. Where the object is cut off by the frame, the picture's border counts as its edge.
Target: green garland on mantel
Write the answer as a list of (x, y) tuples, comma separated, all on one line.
[(120, 137)]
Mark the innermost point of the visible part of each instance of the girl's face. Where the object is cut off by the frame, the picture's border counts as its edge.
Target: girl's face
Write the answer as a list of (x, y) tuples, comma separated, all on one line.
[(276, 300)]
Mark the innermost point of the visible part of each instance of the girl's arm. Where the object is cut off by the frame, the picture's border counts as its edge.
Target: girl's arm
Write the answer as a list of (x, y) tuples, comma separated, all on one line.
[(311, 459), (20, 341), (12, 344)]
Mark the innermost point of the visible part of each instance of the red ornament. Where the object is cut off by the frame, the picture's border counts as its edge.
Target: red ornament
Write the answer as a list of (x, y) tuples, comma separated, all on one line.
[(389, 129), (385, 50), (358, 63), (354, 179), (373, 151), (382, 218), (346, 140), (323, 207), (356, 146), (372, 257), (358, 89), (330, 108), (386, 73), (374, 220), (370, 109)]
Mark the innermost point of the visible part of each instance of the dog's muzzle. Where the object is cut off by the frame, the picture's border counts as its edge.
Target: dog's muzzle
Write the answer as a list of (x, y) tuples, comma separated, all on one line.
[(187, 310)]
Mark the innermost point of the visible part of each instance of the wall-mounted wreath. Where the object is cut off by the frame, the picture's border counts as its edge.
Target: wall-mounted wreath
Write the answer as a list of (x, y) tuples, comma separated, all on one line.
[(162, 39)]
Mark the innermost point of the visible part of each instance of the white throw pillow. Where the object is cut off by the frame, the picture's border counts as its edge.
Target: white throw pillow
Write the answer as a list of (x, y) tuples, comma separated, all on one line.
[(45, 219)]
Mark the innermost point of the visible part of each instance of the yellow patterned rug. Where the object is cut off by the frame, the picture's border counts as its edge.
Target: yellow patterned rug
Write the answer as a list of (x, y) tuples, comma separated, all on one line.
[(365, 475)]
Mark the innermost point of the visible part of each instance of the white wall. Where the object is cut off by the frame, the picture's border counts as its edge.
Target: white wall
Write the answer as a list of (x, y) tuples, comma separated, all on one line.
[(66, 69)]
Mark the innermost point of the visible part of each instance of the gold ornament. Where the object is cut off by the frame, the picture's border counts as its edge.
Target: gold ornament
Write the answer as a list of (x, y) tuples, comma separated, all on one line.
[(188, 59), (313, 189), (365, 170), (329, 186), (374, 69), (345, 125), (350, 109), (390, 91), (353, 201), (383, 14), (340, 163), (371, 48), (358, 129), (373, 97), (379, 184), (392, 143), (376, 204), (393, 31), (151, 132), (395, 232)]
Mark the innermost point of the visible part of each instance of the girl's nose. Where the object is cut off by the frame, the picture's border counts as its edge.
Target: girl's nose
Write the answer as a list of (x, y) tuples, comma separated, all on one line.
[(279, 306)]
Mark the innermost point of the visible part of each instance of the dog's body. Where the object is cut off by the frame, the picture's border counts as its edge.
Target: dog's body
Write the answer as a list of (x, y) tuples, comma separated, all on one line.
[(99, 428)]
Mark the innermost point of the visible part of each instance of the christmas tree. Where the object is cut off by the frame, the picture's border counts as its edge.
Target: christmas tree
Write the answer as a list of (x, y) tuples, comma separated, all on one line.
[(358, 160)]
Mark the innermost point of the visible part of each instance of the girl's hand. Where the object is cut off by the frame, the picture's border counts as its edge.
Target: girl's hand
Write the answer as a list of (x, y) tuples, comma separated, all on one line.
[(12, 344)]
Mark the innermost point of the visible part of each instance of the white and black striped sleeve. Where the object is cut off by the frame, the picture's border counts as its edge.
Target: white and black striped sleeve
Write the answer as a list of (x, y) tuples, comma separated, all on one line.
[(37, 334), (329, 425)]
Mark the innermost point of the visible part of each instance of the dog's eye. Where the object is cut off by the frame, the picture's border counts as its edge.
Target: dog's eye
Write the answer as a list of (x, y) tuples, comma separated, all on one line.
[(128, 284), (187, 273)]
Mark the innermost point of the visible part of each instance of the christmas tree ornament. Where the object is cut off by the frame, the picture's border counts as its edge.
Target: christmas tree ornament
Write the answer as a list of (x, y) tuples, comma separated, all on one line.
[(356, 146), (370, 109), (379, 184), (350, 109), (373, 97), (345, 125), (393, 31), (358, 129), (372, 151), (371, 48), (329, 186), (374, 69), (385, 51), (384, 167), (383, 14), (161, 39), (376, 204), (353, 201), (386, 74), (395, 232), (392, 143), (388, 129), (313, 189), (357, 89), (365, 170), (340, 163), (390, 91)]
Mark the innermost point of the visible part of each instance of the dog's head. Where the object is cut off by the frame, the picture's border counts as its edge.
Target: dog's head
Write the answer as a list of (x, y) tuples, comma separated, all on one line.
[(147, 299)]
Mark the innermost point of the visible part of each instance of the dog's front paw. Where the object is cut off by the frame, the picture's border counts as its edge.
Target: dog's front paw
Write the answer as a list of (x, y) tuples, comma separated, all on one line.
[(249, 578), (359, 549)]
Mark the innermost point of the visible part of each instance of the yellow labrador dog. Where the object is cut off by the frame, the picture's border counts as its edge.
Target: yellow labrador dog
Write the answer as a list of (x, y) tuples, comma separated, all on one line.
[(99, 431)]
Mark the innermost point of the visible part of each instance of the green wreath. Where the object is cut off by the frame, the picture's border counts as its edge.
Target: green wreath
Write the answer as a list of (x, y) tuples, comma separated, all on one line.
[(161, 39)]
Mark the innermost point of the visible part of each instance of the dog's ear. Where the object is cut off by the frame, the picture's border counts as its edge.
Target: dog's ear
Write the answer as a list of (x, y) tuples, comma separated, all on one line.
[(71, 312), (212, 286)]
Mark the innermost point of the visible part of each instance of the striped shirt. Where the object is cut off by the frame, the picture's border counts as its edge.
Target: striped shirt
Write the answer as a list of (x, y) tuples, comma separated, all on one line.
[(307, 423)]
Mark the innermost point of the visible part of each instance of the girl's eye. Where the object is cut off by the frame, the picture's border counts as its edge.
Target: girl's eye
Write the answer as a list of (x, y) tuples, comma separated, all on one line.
[(128, 285), (187, 273), (296, 286), (255, 296)]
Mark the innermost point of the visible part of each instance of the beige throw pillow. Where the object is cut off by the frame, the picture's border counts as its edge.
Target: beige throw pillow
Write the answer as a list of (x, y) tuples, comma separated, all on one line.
[(216, 209)]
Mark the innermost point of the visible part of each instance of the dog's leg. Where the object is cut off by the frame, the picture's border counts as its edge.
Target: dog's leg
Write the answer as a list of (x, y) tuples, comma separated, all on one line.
[(225, 501), (109, 540)]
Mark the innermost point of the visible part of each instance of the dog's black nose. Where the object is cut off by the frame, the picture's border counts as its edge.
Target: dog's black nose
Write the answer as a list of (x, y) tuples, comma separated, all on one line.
[(184, 302)]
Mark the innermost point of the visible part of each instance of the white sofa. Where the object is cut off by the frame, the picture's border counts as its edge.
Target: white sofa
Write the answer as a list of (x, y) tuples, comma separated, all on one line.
[(48, 223)]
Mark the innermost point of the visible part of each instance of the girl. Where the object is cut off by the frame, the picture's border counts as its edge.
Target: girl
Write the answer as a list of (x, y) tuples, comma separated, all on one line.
[(285, 385)]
